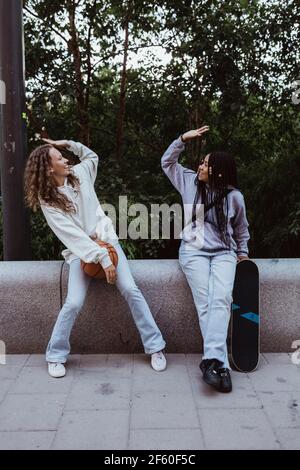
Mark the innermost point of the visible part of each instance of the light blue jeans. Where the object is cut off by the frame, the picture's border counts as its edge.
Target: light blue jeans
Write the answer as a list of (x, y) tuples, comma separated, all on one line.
[(211, 279), (59, 346)]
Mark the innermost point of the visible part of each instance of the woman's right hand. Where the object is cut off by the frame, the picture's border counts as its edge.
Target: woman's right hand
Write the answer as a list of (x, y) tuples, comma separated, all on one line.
[(194, 133), (57, 143), (111, 274)]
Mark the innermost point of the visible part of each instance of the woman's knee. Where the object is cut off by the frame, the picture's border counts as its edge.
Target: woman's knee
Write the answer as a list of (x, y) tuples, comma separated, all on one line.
[(222, 297), (128, 290), (74, 304)]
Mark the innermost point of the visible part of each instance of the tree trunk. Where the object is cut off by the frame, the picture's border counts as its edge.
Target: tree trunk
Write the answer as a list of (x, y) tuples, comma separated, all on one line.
[(121, 116), (81, 104)]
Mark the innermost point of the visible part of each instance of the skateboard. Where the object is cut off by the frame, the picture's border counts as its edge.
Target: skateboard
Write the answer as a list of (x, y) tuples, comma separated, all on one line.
[(245, 317)]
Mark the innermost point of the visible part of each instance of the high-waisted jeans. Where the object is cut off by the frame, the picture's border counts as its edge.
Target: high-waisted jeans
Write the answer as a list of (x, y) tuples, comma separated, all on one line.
[(59, 346), (211, 279)]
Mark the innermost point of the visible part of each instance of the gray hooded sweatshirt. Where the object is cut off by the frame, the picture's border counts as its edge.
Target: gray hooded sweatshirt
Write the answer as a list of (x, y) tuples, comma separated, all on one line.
[(205, 236)]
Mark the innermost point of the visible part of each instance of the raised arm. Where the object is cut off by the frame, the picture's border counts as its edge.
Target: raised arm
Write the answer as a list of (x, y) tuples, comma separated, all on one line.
[(88, 158), (174, 170), (177, 174)]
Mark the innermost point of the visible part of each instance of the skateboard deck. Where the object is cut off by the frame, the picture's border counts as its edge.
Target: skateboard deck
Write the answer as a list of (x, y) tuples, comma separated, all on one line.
[(245, 317)]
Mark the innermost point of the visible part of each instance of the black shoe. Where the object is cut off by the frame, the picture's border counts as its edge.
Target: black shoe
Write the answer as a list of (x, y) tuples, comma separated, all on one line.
[(210, 372), (225, 380), (203, 364)]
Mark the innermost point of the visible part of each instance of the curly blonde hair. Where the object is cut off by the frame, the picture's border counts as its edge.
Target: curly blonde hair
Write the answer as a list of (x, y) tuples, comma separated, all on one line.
[(38, 184)]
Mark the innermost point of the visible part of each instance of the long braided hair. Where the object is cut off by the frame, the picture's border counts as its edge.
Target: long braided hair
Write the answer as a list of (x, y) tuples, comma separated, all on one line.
[(38, 184), (222, 172)]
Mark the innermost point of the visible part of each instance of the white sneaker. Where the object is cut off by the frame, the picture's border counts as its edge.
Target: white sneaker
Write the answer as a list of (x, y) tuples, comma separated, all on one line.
[(158, 361), (56, 369)]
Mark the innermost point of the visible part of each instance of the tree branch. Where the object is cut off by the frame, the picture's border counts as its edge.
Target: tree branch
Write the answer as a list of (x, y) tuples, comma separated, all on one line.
[(83, 118), (48, 24), (121, 114)]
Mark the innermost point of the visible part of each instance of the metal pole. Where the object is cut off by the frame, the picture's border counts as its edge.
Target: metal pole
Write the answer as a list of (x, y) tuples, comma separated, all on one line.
[(15, 217)]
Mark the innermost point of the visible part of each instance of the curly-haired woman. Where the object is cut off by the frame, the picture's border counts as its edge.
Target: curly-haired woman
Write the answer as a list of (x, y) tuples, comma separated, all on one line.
[(68, 200)]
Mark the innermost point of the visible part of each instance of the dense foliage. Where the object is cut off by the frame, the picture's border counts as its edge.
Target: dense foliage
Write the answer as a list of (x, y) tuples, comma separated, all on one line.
[(228, 64)]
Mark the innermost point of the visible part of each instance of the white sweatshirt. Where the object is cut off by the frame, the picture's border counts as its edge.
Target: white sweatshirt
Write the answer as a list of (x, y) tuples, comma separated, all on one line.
[(75, 230)]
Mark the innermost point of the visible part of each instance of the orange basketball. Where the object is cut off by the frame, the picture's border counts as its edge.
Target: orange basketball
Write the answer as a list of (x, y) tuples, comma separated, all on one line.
[(95, 269)]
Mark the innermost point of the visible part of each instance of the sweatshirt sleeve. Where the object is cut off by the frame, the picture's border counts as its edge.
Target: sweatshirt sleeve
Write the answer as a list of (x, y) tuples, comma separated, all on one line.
[(240, 226), (74, 238), (88, 159), (177, 174)]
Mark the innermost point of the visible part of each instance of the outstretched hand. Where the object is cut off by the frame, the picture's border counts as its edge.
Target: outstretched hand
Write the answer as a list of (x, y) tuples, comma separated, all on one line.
[(194, 133), (57, 143)]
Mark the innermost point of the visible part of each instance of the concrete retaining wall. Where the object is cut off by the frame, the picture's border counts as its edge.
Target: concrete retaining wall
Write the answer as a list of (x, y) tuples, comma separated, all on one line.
[(30, 302)]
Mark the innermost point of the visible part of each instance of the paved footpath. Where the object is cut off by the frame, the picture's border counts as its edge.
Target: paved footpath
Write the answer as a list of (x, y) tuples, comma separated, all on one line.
[(118, 402)]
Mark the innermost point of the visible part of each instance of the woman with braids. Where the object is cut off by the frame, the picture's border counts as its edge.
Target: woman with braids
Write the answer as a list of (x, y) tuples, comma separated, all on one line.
[(215, 236), (70, 205)]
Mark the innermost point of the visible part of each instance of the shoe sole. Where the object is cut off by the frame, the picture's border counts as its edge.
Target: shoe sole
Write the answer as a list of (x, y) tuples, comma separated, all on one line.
[(217, 387), (225, 391), (212, 384), (158, 370)]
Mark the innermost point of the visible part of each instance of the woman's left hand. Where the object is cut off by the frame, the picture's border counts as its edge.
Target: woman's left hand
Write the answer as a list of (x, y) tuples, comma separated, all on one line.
[(194, 133)]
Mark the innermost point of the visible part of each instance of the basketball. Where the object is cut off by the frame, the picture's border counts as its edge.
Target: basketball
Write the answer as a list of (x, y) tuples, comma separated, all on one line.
[(95, 269)]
